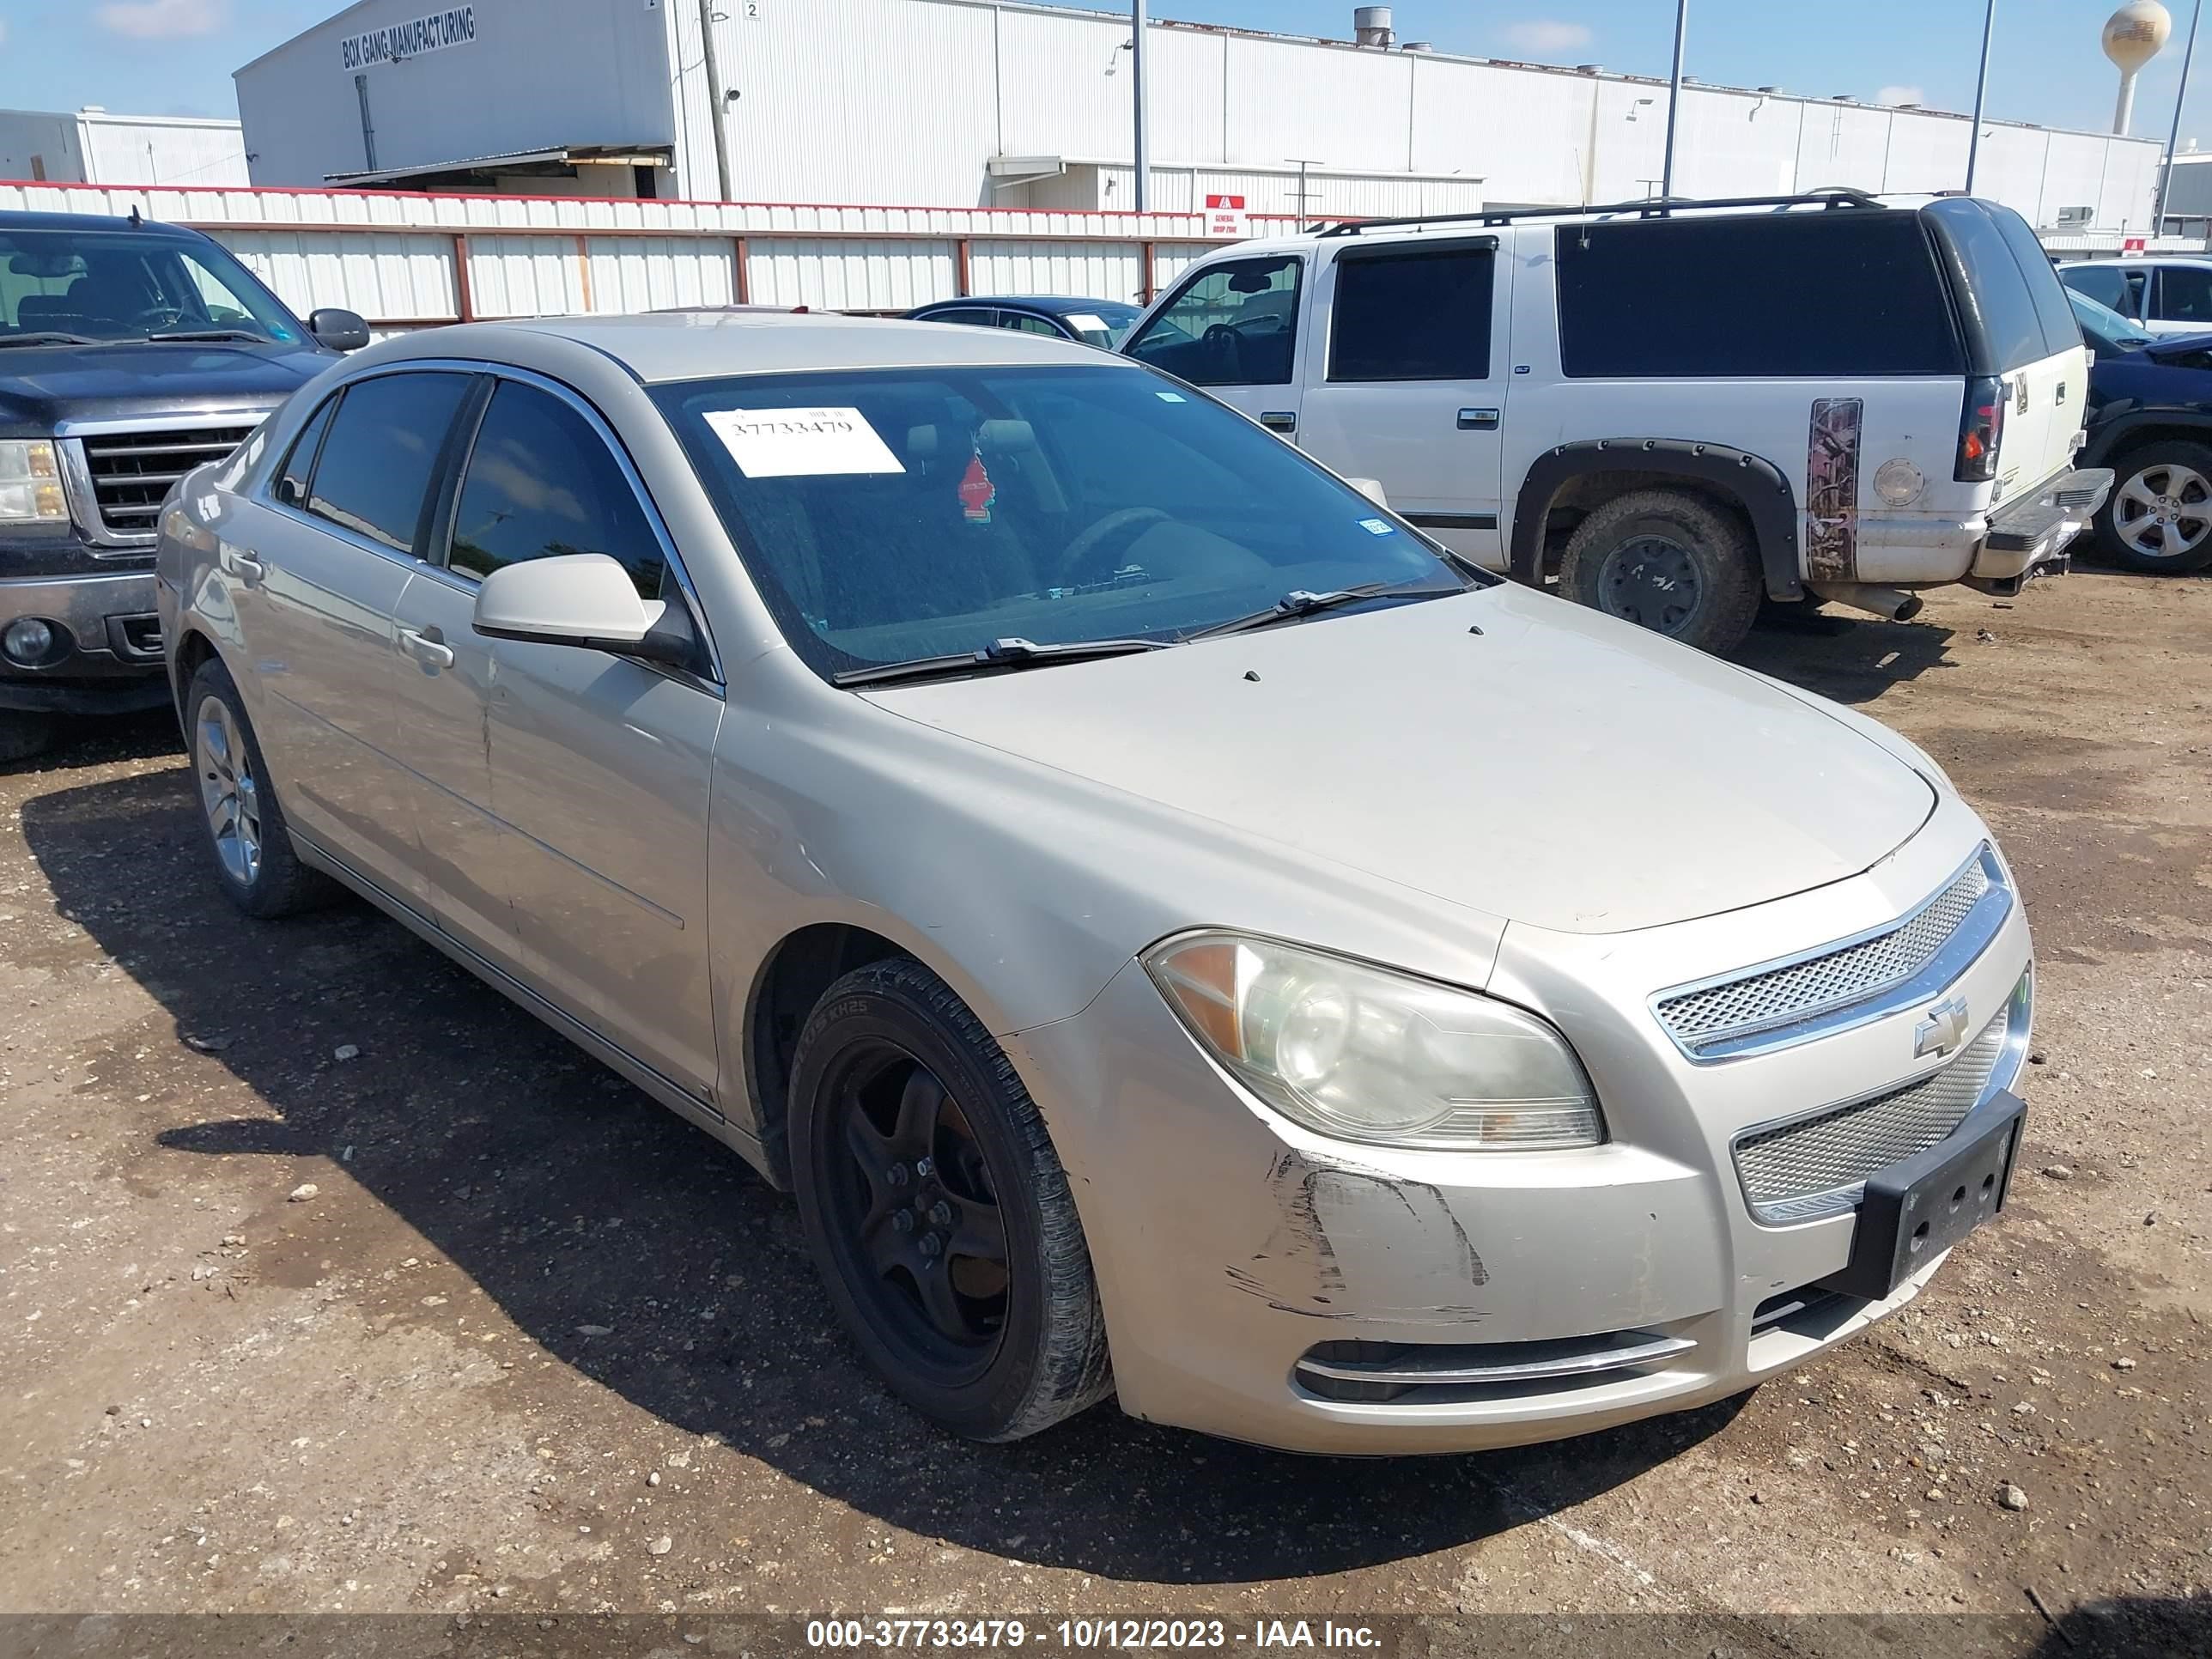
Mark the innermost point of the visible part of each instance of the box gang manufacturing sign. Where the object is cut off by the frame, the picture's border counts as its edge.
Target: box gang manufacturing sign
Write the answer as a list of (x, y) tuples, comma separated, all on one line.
[(432, 32)]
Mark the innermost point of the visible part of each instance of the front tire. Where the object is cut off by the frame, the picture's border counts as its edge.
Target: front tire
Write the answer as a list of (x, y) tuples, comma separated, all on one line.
[(23, 735), (247, 835), (1667, 559), (2158, 517), (937, 1213)]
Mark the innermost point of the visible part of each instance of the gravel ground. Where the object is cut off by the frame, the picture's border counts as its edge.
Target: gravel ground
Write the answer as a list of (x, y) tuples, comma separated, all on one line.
[(328, 1281)]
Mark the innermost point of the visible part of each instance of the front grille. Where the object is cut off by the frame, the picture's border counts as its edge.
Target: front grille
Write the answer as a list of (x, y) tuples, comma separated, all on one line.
[(131, 471), (1712, 1017), (1819, 1165)]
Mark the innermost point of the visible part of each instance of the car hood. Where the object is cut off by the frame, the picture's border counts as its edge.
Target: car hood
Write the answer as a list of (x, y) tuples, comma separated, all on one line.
[(41, 385), (1503, 749)]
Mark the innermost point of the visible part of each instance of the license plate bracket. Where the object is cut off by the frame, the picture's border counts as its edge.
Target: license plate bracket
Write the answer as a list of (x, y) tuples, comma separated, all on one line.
[(1916, 1209)]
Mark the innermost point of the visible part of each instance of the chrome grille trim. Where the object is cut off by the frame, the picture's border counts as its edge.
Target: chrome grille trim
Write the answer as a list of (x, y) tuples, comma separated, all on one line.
[(1817, 1163), (117, 472), (1846, 982)]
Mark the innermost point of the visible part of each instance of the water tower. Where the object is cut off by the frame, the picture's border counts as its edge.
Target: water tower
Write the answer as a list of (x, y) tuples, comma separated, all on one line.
[(2134, 35)]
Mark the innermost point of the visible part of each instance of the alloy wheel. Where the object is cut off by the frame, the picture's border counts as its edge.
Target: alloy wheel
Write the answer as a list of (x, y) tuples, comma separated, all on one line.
[(2163, 512), (910, 1211), (228, 791), (1651, 581)]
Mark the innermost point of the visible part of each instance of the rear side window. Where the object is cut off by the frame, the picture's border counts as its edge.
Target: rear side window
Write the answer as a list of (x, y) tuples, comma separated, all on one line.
[(1841, 292), (2105, 284), (2184, 295), (382, 448), (1414, 316), (292, 481), (2004, 328), (2060, 331), (541, 482)]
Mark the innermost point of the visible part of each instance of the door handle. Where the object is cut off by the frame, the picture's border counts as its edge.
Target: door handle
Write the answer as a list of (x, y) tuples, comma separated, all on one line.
[(242, 565), (427, 647), (1478, 420), (2062, 391), (1279, 420)]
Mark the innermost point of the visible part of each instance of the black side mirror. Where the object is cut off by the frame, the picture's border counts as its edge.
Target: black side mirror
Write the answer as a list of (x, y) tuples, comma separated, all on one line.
[(338, 329)]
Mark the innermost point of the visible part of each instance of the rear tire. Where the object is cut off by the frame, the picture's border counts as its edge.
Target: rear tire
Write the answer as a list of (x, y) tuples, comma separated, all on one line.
[(937, 1211), (2158, 517), (23, 735), (246, 836), (1669, 560)]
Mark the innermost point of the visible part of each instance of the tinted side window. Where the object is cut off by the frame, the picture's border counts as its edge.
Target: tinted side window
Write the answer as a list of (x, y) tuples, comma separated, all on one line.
[(542, 481), (1028, 325), (1232, 325), (1422, 316), (292, 481), (2102, 284), (2184, 295), (2060, 332), (1843, 291), (1994, 301), (375, 469), (971, 314)]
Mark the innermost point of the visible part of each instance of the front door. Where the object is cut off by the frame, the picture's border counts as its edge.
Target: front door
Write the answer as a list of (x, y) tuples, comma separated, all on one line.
[(316, 573), (1409, 386), (598, 764), (1232, 328)]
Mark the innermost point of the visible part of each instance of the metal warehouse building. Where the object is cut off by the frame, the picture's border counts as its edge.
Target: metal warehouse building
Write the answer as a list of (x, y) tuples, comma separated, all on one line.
[(91, 146), (986, 103)]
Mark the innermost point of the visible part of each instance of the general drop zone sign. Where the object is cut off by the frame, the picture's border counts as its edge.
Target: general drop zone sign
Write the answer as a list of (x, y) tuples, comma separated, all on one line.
[(431, 32)]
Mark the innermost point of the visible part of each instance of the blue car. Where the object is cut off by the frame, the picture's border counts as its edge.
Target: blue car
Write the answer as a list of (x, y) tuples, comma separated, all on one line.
[(1100, 323), (2150, 420)]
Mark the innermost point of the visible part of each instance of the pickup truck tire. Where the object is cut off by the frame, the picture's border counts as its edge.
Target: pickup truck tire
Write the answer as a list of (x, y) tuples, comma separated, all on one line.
[(1667, 560), (937, 1211), (23, 735), (2159, 516), (241, 819)]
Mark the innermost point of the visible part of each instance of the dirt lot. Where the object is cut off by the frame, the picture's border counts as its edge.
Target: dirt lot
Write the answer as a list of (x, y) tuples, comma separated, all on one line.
[(333, 1282)]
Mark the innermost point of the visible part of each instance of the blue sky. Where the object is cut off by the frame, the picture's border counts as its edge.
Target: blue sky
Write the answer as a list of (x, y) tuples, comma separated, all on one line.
[(174, 57)]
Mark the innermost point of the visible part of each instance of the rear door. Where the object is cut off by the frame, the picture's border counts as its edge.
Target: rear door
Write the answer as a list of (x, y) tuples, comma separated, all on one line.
[(1231, 327), (1406, 384)]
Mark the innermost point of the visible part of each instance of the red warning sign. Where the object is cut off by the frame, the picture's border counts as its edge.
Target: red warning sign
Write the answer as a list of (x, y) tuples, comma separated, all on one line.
[(977, 492)]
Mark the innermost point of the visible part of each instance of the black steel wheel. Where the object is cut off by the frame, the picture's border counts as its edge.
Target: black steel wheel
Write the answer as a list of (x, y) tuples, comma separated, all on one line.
[(937, 1211), (1668, 559)]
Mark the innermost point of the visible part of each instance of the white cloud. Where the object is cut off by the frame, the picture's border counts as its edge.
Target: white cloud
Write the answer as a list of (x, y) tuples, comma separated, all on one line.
[(163, 19), (1545, 35), (1900, 96)]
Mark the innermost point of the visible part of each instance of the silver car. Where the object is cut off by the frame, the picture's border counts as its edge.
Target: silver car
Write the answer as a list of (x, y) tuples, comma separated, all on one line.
[(1178, 932)]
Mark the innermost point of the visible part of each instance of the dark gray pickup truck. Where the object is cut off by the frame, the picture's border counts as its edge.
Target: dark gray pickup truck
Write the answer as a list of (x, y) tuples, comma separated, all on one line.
[(129, 352)]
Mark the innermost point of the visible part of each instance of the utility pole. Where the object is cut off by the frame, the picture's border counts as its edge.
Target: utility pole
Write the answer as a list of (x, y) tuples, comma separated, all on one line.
[(1674, 96), (716, 115), (1981, 93), (1144, 190), (2173, 137)]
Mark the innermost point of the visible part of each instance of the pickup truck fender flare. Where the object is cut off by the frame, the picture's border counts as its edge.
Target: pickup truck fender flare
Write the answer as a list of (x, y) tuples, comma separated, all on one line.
[(1752, 481)]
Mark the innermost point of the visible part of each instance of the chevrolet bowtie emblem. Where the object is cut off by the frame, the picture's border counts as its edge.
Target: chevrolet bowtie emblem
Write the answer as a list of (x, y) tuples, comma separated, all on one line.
[(1944, 1029)]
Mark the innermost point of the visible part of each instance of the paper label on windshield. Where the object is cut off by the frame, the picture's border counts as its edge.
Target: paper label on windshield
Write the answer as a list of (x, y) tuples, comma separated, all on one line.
[(801, 443), (1084, 319)]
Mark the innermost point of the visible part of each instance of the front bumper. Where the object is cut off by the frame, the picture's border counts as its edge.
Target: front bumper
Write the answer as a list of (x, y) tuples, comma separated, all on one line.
[(108, 655), (2036, 528), (1240, 1257)]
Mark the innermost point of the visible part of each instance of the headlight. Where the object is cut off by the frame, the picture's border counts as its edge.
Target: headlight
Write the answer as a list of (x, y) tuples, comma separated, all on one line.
[(1367, 1055), (30, 483)]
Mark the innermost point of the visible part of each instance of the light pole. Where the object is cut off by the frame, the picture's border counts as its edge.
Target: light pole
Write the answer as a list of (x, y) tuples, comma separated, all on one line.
[(2173, 136), (1981, 92), (1674, 97), (1143, 192)]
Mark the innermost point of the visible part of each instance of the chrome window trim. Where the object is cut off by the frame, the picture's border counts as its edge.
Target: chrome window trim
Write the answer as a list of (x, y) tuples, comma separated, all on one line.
[(101, 540), (2012, 1057), (1976, 931)]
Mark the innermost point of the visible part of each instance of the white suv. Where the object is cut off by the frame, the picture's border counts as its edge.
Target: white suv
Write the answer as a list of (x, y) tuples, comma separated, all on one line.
[(1676, 409)]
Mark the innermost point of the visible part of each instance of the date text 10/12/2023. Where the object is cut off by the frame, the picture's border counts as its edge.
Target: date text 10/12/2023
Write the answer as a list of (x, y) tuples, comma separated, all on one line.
[(1087, 1634)]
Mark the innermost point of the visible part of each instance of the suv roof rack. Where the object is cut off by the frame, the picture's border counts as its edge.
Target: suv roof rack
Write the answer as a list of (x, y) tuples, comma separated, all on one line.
[(1649, 207)]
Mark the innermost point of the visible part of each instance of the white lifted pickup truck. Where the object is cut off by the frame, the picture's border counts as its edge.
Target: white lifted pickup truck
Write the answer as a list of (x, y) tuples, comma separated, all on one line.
[(1674, 408)]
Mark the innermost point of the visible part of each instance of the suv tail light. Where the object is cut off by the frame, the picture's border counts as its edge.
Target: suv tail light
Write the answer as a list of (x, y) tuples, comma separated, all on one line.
[(1981, 426)]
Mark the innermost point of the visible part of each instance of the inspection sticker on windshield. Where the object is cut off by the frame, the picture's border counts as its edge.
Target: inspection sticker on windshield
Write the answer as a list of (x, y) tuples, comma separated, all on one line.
[(1379, 527), (1171, 396), (801, 443)]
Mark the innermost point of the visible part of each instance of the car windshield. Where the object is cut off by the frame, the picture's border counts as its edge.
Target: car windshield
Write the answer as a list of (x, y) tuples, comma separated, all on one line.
[(890, 516), (1102, 323), (129, 285), (2104, 326)]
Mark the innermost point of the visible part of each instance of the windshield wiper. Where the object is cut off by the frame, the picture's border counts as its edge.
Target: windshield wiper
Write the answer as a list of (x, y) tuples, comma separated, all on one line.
[(210, 334), (1302, 602), (48, 336), (999, 654)]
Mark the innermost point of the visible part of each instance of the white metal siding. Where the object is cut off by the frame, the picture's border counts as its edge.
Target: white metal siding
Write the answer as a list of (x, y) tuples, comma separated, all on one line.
[(135, 149), (850, 274), (1098, 271), (392, 275)]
